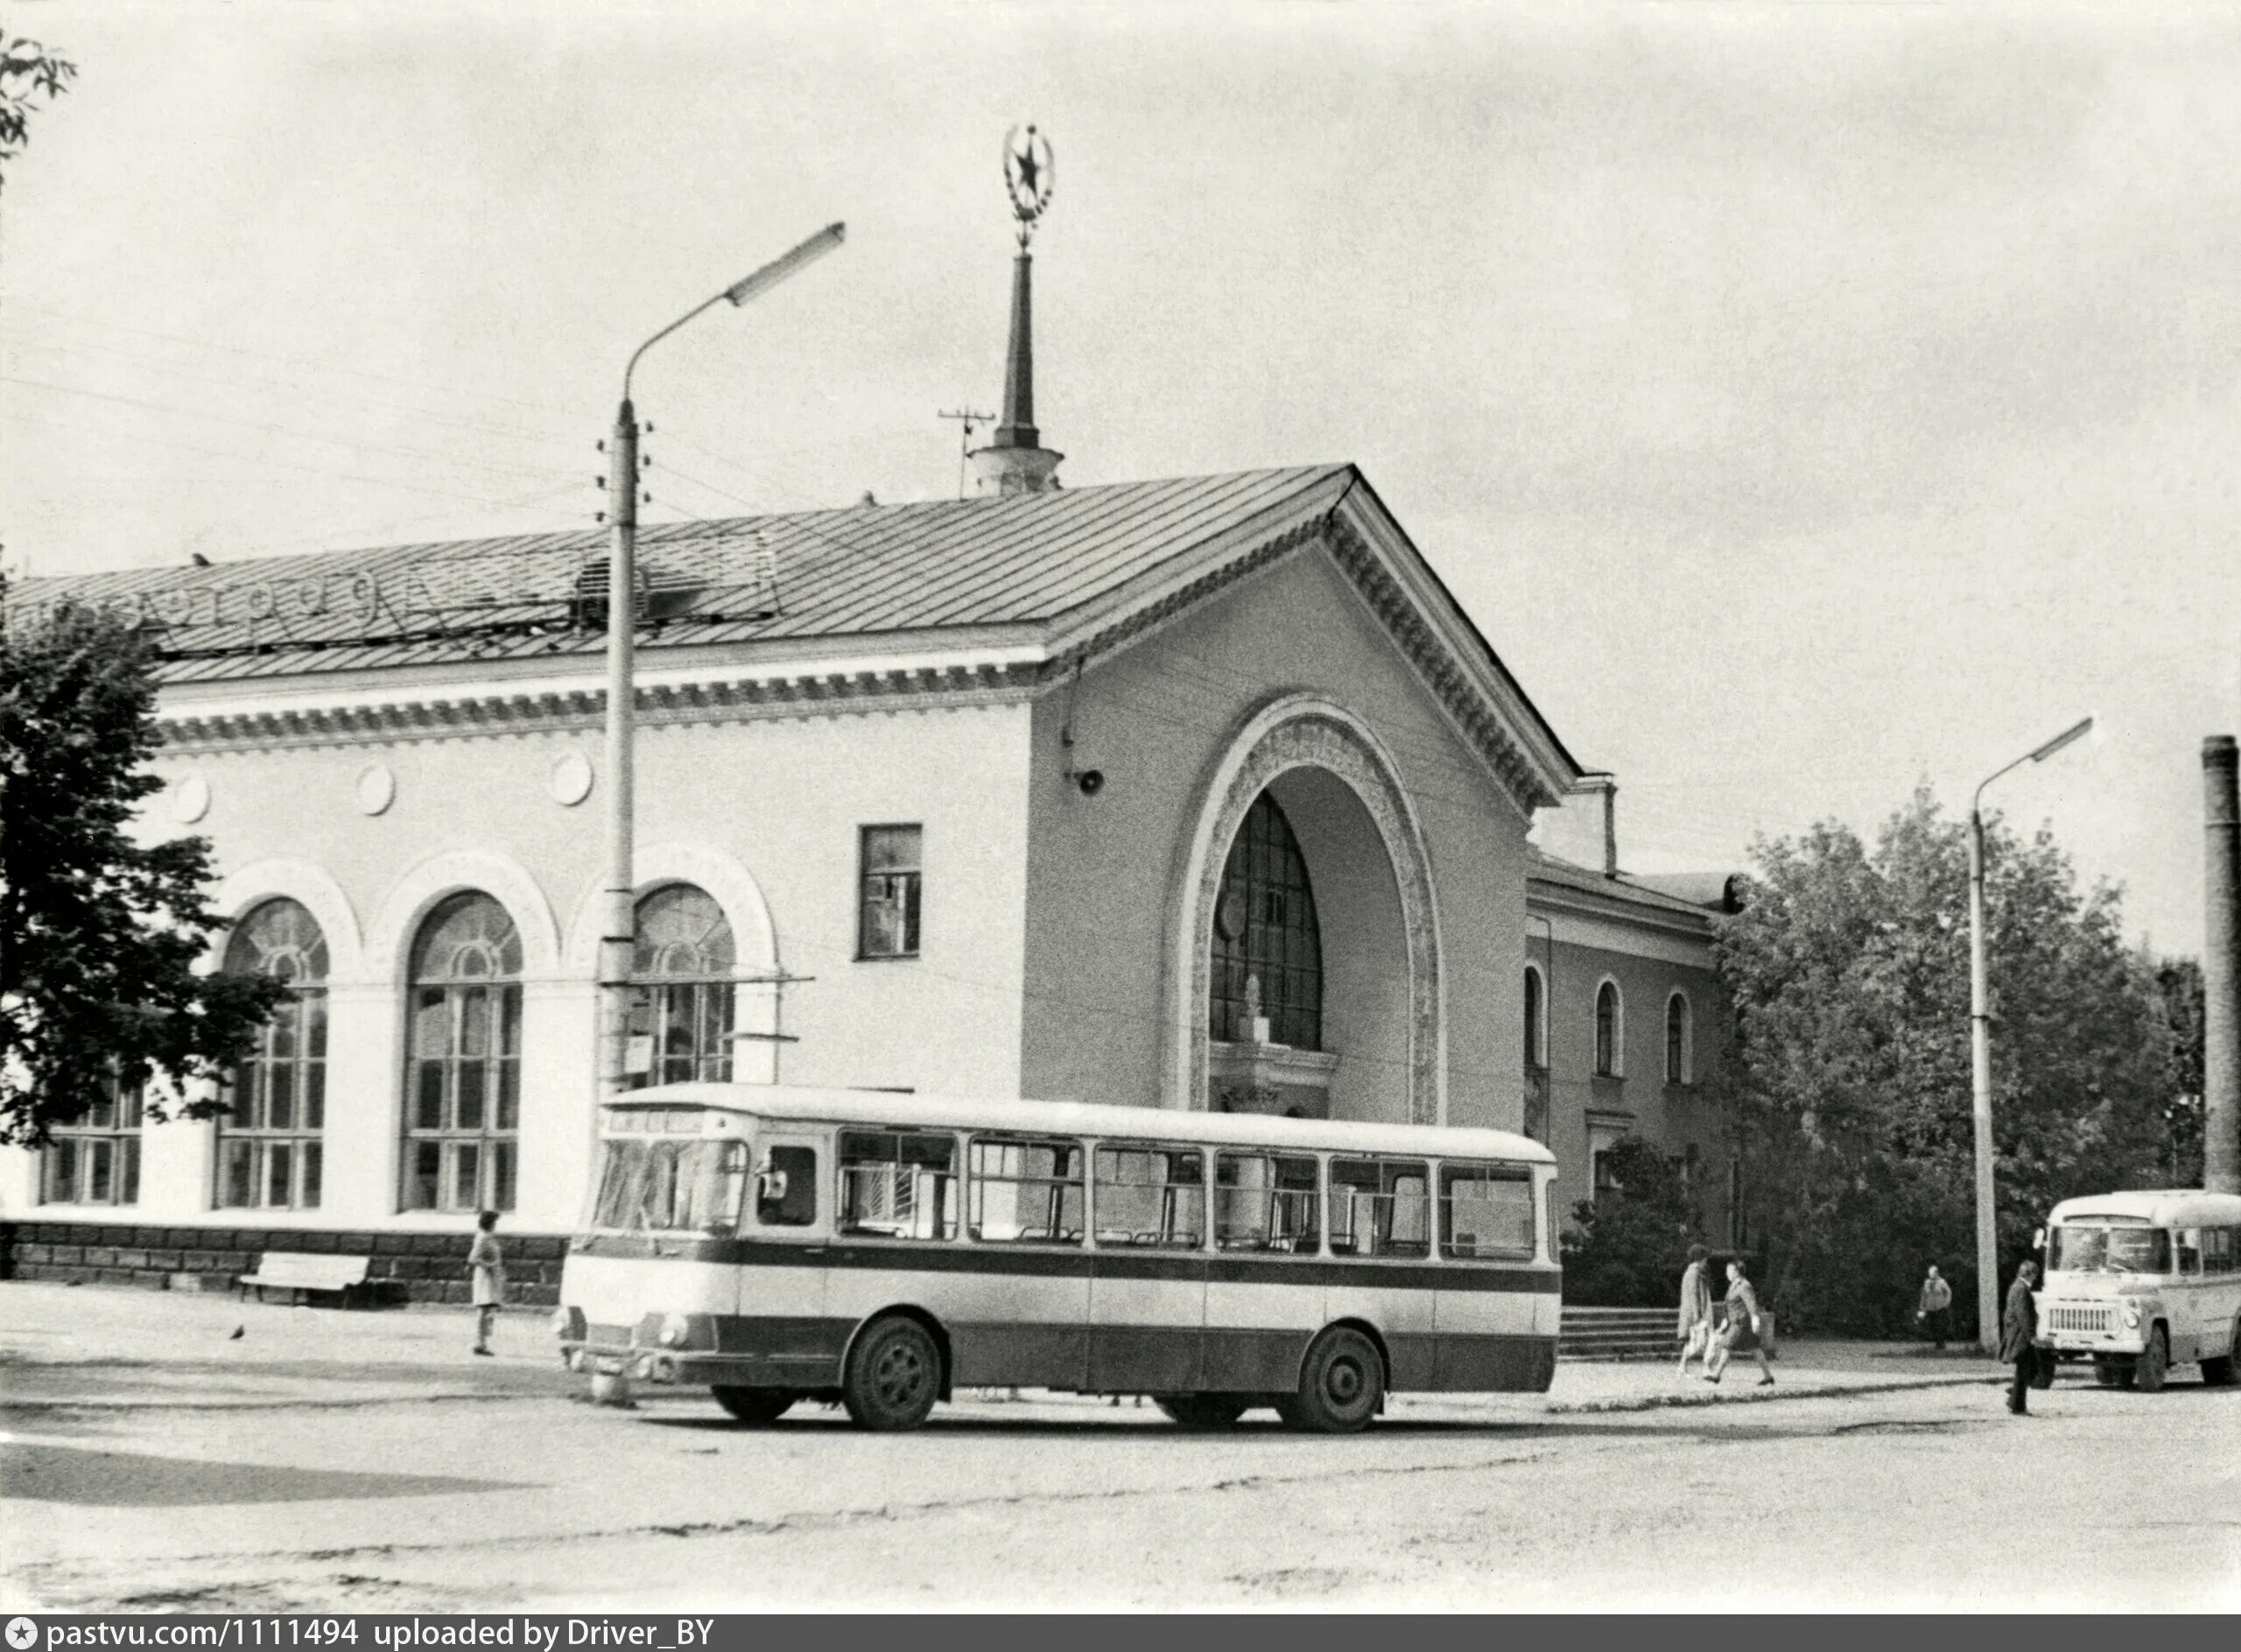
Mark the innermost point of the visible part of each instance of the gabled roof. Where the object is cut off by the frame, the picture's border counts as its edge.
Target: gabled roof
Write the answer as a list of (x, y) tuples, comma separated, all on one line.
[(870, 571), (1027, 582)]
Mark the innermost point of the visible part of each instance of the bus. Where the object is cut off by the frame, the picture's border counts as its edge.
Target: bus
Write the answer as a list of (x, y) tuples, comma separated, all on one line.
[(778, 1244), (2142, 1282)]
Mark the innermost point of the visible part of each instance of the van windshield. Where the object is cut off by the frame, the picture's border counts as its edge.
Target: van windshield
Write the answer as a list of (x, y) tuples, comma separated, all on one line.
[(690, 1186), (2090, 1248)]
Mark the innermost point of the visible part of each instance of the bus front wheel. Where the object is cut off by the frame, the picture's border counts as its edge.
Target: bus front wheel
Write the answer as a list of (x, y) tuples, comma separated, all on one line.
[(893, 1376), (755, 1405), (1340, 1387)]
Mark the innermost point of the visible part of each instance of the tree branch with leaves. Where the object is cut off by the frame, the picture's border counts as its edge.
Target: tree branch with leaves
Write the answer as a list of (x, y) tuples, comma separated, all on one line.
[(28, 72), (104, 934)]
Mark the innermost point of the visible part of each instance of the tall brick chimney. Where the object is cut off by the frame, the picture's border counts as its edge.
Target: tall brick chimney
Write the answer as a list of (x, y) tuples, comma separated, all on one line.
[(2221, 968)]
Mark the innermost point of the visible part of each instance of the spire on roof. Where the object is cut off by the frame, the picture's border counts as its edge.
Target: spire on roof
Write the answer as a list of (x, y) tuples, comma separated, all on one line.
[(1016, 462)]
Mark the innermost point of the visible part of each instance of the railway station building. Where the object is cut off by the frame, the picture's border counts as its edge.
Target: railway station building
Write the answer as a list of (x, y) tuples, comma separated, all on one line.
[(1200, 793)]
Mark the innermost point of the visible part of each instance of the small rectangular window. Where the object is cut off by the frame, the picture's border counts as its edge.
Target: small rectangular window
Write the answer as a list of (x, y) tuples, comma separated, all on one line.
[(1027, 1191), (2190, 1250), (1380, 1207), (886, 924), (1268, 1201), (898, 1183), (785, 1187), (1151, 1196), (1486, 1211)]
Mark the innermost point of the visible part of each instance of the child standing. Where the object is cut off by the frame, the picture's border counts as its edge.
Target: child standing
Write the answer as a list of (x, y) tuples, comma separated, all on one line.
[(489, 1263)]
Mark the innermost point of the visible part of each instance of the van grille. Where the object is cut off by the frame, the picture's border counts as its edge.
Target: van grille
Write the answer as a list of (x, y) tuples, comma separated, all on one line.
[(2098, 1320)]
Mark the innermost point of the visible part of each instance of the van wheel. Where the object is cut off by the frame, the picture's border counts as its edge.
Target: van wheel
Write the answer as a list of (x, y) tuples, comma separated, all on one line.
[(2152, 1366), (2218, 1372), (755, 1405), (1203, 1410), (1340, 1387), (893, 1376)]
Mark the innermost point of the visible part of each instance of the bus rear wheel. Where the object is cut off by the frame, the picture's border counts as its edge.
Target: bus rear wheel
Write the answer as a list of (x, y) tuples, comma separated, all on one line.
[(1203, 1410), (755, 1405), (1341, 1385), (2154, 1365), (2218, 1372), (893, 1376)]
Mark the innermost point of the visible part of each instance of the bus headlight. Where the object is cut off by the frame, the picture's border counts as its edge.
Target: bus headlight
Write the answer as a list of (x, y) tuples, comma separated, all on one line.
[(675, 1329)]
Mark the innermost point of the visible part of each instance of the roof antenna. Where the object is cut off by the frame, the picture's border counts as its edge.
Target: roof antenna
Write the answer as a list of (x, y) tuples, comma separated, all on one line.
[(969, 419)]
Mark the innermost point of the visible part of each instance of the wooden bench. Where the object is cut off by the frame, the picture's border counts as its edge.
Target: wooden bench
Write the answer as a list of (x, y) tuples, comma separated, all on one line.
[(304, 1273)]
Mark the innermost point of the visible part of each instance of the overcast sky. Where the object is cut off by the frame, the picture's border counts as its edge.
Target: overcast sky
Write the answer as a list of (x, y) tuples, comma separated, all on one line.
[(1806, 400)]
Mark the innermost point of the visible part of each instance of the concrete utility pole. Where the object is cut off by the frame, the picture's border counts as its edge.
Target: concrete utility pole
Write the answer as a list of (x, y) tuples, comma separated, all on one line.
[(618, 933), (2221, 968), (1980, 1048)]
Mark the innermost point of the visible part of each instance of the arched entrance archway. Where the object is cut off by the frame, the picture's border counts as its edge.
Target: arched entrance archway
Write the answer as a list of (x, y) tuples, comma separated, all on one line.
[(1364, 856)]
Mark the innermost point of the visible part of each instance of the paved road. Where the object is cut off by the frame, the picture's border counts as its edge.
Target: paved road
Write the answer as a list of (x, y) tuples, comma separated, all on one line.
[(152, 1461)]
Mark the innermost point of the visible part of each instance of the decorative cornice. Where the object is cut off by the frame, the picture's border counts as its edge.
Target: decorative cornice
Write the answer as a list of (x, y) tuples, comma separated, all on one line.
[(1478, 720), (486, 714)]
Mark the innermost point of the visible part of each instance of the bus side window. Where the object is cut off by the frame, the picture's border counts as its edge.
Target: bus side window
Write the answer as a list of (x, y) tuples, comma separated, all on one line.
[(1378, 1208), (785, 1187), (2190, 1250), (1486, 1211)]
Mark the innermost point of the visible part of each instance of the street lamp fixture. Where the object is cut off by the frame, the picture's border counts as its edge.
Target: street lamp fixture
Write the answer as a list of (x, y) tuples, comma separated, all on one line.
[(1980, 1048), (618, 930)]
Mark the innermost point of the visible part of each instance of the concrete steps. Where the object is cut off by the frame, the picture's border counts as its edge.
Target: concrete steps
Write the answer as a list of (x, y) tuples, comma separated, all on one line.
[(1618, 1333)]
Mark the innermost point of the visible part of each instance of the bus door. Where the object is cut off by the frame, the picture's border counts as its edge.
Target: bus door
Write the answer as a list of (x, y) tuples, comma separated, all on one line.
[(1486, 1296), (1018, 1310), (785, 1231), (1147, 1275), (1264, 1288)]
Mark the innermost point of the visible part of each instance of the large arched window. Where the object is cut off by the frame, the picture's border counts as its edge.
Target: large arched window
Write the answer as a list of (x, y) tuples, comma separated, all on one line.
[(1608, 1031), (681, 994), (1679, 1053), (463, 1066), (1536, 1041), (270, 1152), (1265, 935)]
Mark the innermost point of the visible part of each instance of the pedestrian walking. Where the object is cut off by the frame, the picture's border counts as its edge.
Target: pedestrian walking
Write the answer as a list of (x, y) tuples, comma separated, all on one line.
[(1934, 1311), (1740, 1333), (1696, 1326), (488, 1263), (2019, 1337)]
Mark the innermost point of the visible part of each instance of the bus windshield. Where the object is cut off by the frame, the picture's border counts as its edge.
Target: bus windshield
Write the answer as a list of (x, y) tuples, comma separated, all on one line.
[(686, 1185), (2081, 1248)]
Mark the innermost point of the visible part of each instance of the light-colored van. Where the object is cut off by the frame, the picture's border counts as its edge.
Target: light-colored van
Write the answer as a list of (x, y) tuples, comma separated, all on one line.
[(2143, 1281)]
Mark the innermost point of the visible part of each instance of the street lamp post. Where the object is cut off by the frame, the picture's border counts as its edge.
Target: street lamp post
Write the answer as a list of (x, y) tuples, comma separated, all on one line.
[(1980, 1047), (618, 931)]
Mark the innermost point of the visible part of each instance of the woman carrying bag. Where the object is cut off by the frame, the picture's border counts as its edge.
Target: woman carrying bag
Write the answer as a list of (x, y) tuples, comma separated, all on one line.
[(1740, 1333)]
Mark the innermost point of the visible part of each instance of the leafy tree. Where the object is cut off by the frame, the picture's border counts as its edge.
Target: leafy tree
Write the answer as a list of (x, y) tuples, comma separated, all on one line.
[(103, 933), (27, 70), (1629, 1245), (1848, 1081), (2179, 983)]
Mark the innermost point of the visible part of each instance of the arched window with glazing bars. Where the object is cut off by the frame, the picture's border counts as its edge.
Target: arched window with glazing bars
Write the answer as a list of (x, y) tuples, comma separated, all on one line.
[(1266, 934), (462, 1105), (270, 1150), (682, 992)]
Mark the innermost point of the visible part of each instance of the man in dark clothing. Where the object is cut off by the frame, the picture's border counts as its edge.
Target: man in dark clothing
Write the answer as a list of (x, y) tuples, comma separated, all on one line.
[(2019, 1336)]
